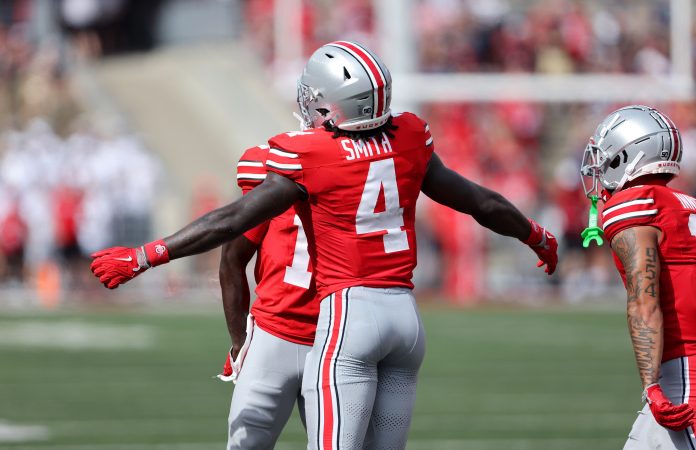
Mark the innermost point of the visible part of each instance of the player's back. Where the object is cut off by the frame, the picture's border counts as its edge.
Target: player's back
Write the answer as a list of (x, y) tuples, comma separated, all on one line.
[(362, 199), (285, 304), (674, 214)]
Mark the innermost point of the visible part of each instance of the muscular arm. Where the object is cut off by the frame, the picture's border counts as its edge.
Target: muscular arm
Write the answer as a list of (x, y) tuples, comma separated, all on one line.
[(274, 196), (636, 248), (488, 208), (235, 288)]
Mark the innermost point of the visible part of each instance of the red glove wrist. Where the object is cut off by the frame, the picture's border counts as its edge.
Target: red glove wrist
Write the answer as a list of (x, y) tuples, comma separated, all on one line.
[(156, 253), (536, 235), (117, 265), (544, 244), (653, 393)]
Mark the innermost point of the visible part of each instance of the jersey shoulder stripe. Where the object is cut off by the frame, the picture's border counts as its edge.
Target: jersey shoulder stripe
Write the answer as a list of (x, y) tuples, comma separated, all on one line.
[(288, 153), (251, 170), (632, 207), (629, 215), (246, 163), (283, 153), (283, 166), (687, 201), (251, 176), (627, 204)]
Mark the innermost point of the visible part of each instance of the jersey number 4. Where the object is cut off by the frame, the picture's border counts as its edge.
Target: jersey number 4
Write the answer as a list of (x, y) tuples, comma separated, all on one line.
[(382, 177), (297, 274)]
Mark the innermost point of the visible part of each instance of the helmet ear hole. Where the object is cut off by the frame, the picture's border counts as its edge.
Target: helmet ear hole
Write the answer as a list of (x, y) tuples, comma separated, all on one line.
[(615, 162), (323, 111), (346, 74)]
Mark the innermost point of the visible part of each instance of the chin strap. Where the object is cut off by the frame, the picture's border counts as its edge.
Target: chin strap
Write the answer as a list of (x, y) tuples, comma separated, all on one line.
[(630, 168), (592, 232)]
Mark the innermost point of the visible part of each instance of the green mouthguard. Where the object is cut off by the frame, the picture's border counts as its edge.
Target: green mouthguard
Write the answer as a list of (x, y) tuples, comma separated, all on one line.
[(592, 232)]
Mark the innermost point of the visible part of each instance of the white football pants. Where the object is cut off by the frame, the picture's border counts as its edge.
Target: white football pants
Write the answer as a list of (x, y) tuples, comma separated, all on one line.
[(266, 391), (360, 377)]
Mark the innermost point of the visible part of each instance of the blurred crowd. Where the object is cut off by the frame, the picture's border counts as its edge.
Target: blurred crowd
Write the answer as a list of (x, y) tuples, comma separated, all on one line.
[(67, 186), (557, 36), (531, 154), (62, 198)]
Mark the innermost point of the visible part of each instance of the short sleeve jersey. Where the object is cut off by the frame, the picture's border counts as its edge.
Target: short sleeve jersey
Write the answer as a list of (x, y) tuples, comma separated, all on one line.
[(674, 213), (362, 200), (285, 304)]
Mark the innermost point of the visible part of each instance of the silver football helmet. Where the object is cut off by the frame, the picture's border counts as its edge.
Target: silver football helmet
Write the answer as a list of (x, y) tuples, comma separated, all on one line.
[(629, 143), (347, 84)]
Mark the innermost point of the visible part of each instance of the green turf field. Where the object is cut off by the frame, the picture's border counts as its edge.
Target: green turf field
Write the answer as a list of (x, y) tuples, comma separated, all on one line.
[(513, 379)]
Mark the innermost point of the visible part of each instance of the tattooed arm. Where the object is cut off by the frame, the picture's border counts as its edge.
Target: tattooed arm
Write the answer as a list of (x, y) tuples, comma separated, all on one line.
[(637, 249)]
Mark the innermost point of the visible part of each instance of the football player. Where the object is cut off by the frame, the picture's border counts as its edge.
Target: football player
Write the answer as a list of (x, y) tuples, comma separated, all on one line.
[(272, 342), (629, 160), (359, 169)]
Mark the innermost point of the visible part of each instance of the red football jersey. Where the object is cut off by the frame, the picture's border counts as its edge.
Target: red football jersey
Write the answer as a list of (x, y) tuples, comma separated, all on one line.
[(362, 200), (285, 304), (674, 213)]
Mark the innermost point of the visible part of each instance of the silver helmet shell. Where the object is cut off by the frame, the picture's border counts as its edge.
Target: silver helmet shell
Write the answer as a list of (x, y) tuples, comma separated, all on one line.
[(629, 143), (347, 84)]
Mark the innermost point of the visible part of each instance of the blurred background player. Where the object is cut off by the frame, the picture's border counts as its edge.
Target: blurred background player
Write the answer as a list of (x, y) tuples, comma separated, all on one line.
[(651, 227), (271, 344), (361, 168)]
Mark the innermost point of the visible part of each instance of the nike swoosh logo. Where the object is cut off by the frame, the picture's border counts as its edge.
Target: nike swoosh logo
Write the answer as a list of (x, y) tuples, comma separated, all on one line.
[(129, 259)]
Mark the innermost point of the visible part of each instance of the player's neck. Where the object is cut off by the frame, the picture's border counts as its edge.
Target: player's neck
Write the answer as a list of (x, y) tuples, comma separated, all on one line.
[(651, 180)]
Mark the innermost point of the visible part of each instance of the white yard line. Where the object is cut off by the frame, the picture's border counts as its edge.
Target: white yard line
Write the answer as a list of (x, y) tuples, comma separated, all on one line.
[(10, 432), (75, 335)]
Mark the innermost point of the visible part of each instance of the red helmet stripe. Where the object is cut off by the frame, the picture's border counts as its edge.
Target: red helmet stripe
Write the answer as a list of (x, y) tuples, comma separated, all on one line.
[(373, 69), (673, 136), (677, 144)]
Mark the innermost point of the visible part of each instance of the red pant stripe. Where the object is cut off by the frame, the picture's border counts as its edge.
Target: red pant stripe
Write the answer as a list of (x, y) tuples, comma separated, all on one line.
[(328, 361)]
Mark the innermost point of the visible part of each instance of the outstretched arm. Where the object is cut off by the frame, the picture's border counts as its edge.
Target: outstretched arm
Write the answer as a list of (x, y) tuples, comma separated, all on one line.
[(272, 197), (637, 249), (489, 209), (235, 288), (115, 266)]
